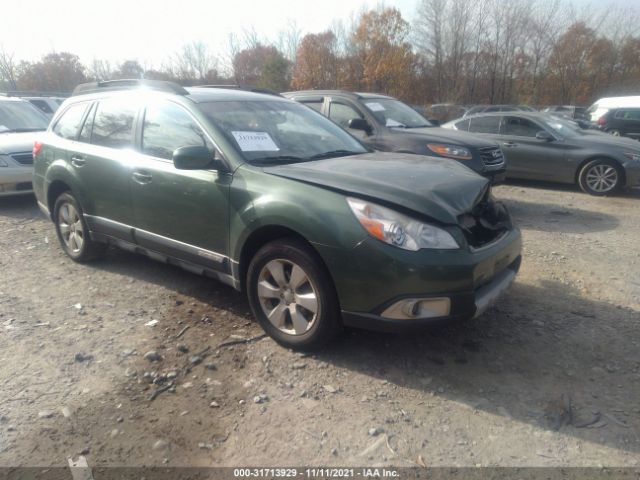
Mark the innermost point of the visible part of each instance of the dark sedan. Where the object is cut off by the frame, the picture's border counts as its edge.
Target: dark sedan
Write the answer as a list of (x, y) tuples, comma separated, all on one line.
[(541, 147)]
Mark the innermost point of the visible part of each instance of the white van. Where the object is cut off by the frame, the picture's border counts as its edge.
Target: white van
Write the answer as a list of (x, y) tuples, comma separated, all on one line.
[(602, 106)]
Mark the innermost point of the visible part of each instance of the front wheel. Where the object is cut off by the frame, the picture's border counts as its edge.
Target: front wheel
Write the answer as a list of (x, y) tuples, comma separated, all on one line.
[(600, 177), (292, 295), (72, 230)]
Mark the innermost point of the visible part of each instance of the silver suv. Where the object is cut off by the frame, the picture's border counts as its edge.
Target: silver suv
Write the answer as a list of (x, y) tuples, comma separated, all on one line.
[(19, 120)]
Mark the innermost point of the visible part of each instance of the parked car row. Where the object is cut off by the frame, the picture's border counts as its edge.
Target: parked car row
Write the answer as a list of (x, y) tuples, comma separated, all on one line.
[(619, 116), (535, 145)]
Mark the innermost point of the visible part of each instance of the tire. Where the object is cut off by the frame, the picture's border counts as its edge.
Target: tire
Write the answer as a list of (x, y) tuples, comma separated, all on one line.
[(615, 132), (601, 177), (286, 282), (73, 232)]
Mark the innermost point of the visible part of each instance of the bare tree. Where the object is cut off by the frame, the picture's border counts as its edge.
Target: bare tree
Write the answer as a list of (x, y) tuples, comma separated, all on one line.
[(428, 38), (288, 40), (543, 27), (194, 63), (8, 69), (100, 70)]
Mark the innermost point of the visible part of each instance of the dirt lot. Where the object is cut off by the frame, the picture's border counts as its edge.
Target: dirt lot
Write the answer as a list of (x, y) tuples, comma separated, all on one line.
[(550, 376)]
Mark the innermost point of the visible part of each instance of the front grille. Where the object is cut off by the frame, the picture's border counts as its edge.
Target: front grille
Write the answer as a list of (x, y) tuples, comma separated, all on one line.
[(488, 221), (491, 156), (23, 158)]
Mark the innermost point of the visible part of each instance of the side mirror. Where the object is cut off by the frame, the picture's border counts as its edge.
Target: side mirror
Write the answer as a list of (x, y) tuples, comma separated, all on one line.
[(434, 121), (544, 136), (193, 158), (359, 124)]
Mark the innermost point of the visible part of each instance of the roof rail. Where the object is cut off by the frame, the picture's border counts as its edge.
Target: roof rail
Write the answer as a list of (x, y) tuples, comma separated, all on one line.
[(129, 84), (248, 88)]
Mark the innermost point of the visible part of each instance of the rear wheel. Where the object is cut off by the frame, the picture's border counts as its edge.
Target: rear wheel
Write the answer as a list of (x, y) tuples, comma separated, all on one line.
[(292, 295), (600, 177), (72, 230), (615, 132)]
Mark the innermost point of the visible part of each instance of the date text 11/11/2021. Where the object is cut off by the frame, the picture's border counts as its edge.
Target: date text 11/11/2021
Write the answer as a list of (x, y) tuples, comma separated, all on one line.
[(319, 472)]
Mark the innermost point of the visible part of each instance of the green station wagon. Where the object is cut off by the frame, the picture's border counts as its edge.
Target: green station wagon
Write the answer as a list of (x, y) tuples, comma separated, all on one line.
[(270, 197)]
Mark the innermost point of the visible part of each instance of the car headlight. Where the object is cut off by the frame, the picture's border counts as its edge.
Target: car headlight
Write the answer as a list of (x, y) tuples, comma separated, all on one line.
[(451, 151), (632, 156), (3, 162), (399, 230)]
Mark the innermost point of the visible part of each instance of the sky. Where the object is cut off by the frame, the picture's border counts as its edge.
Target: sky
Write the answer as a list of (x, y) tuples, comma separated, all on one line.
[(151, 30)]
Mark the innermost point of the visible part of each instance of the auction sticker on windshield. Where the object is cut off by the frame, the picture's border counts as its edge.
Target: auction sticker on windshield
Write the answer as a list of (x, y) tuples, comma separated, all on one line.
[(255, 142)]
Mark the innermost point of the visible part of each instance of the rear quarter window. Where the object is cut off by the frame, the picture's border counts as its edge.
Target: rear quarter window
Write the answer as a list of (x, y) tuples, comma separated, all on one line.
[(68, 124)]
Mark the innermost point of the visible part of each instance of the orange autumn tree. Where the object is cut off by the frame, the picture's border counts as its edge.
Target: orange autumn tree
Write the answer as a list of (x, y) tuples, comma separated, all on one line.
[(387, 61), (316, 62)]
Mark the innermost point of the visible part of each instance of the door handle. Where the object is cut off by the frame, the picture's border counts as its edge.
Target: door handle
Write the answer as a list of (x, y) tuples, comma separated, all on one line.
[(142, 177), (77, 161), (510, 144)]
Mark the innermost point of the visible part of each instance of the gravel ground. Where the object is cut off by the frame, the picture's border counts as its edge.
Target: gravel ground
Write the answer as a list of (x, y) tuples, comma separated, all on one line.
[(132, 362)]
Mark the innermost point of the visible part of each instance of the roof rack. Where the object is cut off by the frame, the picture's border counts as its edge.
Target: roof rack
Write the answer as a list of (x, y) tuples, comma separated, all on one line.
[(129, 84), (248, 88)]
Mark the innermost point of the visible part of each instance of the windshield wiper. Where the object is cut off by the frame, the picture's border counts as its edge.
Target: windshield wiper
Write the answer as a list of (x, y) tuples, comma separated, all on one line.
[(22, 130), (276, 159), (333, 154)]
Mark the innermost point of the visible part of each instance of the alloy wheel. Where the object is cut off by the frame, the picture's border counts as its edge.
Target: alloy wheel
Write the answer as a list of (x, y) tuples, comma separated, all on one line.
[(602, 178), (71, 228), (288, 297)]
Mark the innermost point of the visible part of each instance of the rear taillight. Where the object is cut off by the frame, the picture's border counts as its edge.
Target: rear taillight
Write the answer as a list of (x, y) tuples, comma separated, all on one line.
[(37, 146), (602, 120)]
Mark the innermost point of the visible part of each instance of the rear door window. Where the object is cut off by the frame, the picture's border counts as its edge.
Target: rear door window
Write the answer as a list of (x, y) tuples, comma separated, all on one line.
[(113, 123), (68, 124), (519, 127), (311, 102), (316, 105), (342, 113), (485, 124)]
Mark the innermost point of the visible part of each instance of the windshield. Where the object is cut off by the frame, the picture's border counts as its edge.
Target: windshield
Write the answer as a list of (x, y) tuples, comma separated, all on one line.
[(21, 117), (393, 113), (562, 127), (279, 132)]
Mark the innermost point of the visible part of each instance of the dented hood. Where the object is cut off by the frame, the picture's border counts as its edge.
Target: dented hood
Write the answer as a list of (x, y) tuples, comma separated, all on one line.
[(437, 188)]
